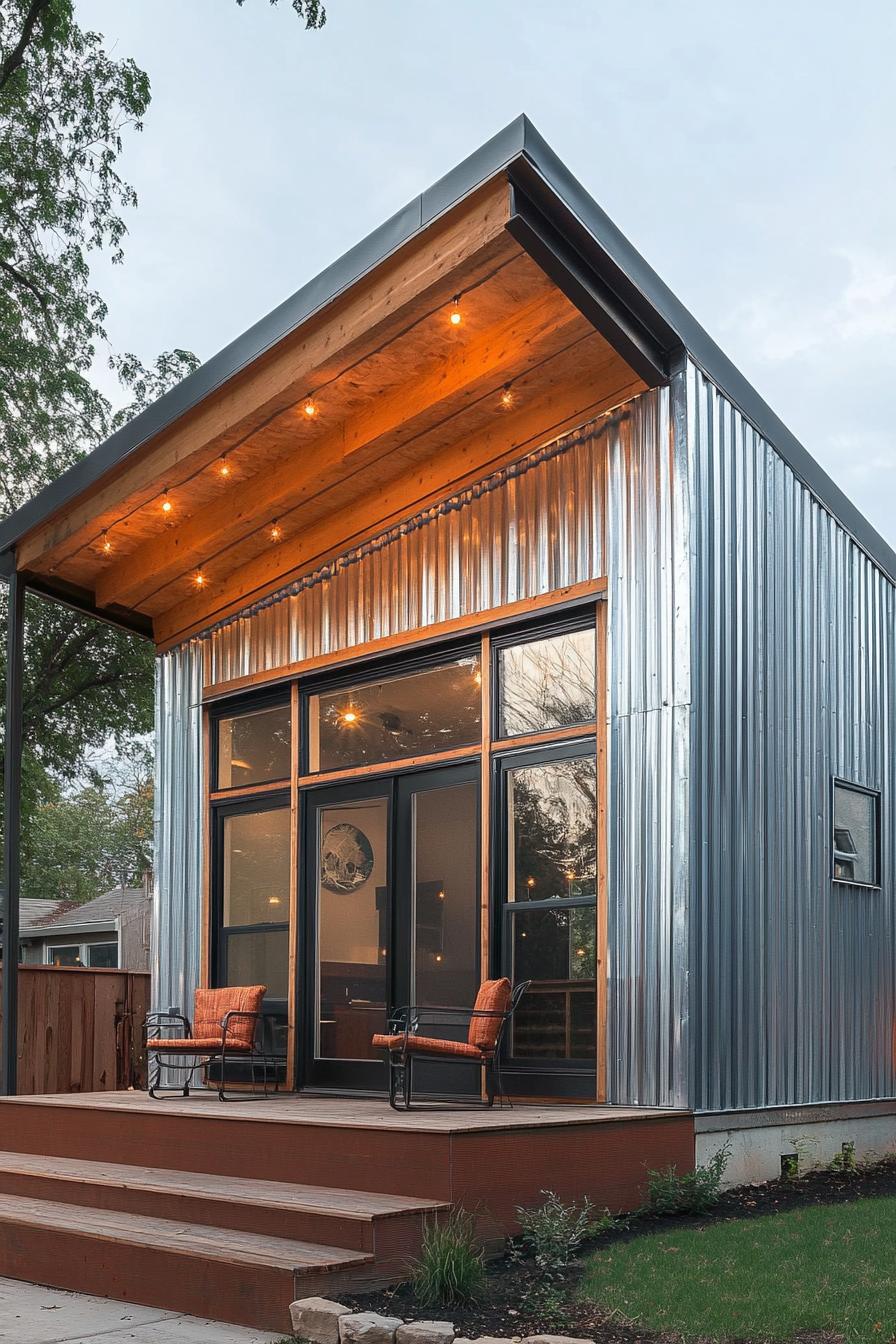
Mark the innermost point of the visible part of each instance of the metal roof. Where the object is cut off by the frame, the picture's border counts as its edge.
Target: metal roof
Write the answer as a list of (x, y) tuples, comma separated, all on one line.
[(553, 214)]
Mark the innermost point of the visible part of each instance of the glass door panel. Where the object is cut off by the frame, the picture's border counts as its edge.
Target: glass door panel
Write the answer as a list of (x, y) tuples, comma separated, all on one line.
[(350, 909)]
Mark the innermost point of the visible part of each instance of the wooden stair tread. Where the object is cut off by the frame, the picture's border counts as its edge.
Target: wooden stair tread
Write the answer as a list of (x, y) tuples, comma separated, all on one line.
[(191, 1239), (357, 1204)]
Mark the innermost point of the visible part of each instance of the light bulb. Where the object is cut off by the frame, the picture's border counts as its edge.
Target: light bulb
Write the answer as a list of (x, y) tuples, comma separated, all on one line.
[(310, 408), (506, 398), (199, 580), (224, 468), (456, 316), (106, 545), (167, 506), (349, 716), (276, 532)]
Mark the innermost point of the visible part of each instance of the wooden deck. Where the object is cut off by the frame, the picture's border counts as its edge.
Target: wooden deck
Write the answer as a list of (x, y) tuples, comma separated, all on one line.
[(231, 1210)]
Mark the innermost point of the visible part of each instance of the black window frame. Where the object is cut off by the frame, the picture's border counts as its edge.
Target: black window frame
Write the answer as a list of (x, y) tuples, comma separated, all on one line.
[(839, 782), (582, 617), (240, 707), (568, 1078), (385, 667)]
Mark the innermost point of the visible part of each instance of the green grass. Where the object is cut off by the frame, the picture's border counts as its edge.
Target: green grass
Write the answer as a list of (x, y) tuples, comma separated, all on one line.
[(825, 1267)]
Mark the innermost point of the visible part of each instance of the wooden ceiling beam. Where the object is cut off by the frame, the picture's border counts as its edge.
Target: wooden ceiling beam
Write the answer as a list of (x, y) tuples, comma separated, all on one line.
[(464, 246), (468, 373), (564, 406)]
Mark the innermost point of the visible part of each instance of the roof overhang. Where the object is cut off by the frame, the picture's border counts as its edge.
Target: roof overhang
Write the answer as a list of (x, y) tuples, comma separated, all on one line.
[(566, 238)]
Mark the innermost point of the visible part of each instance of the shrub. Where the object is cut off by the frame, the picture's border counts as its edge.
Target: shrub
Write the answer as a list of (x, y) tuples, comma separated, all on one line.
[(689, 1192), (553, 1232), (450, 1270)]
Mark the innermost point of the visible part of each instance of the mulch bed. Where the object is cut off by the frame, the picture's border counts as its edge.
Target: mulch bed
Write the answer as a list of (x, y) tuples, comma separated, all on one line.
[(503, 1312)]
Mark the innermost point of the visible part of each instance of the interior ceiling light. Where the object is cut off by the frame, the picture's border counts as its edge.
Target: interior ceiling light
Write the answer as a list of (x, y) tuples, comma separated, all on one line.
[(106, 544), (456, 316), (224, 467), (349, 716), (310, 407), (199, 579), (276, 532), (506, 398), (167, 506)]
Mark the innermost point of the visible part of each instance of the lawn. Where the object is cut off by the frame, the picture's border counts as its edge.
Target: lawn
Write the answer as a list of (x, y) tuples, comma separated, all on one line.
[(823, 1267)]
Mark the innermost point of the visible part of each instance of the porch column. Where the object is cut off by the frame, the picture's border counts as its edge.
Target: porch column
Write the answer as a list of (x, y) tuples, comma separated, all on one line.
[(12, 806)]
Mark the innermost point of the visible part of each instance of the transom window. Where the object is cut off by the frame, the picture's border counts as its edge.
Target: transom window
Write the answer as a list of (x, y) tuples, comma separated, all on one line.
[(546, 683), (409, 714), (253, 748)]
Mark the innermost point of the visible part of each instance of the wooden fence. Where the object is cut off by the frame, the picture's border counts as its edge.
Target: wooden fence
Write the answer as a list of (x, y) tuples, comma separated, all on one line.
[(80, 1029)]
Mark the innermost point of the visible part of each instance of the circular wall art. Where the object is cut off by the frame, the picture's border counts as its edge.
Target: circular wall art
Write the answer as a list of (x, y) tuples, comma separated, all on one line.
[(346, 859)]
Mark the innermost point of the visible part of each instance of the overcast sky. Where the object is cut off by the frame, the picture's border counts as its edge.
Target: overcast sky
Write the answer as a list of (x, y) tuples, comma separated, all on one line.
[(747, 149)]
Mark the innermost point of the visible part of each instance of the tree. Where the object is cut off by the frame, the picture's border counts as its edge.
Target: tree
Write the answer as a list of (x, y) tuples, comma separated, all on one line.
[(85, 841)]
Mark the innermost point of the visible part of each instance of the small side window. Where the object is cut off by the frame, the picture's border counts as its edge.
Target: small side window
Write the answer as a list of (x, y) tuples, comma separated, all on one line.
[(856, 834)]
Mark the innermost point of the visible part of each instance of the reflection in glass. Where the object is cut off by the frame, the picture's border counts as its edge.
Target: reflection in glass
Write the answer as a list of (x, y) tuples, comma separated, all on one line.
[(411, 715), (557, 1016), (253, 748), (855, 835), (446, 896), (547, 683), (260, 958), (551, 836), (102, 954), (353, 928), (256, 868)]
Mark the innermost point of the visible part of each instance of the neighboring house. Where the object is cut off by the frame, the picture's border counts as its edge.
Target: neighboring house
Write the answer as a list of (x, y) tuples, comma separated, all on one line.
[(502, 628), (112, 930), (32, 911)]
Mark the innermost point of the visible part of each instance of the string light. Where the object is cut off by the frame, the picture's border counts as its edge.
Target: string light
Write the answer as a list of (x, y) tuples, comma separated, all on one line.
[(311, 410), (276, 532)]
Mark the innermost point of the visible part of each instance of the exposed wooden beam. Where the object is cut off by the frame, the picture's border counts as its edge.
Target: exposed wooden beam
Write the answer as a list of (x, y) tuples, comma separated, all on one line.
[(470, 239), (474, 370), (508, 438)]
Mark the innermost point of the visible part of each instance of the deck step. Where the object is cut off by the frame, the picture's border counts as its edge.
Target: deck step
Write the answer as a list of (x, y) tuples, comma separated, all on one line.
[(389, 1226), (221, 1273)]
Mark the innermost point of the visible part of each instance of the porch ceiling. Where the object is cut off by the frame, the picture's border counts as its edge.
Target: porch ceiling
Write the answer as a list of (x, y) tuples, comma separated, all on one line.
[(248, 489)]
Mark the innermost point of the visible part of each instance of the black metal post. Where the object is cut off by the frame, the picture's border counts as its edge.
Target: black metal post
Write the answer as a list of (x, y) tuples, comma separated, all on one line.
[(12, 807)]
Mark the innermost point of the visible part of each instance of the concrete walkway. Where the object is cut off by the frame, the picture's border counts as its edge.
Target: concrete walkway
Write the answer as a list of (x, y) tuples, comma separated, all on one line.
[(33, 1315)]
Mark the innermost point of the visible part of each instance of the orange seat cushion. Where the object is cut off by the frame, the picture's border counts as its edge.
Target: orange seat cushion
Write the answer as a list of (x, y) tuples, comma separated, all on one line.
[(211, 1005), (493, 997), (196, 1044), (428, 1045)]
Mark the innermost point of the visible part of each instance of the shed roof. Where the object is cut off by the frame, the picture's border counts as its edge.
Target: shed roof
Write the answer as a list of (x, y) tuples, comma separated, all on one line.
[(572, 242)]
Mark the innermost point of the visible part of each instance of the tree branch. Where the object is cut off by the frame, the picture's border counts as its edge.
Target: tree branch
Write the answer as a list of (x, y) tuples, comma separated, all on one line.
[(17, 55)]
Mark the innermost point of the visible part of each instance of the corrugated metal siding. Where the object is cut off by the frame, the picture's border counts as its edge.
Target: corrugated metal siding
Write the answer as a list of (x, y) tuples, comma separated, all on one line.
[(649, 690), (607, 499), (524, 531), (176, 909), (793, 994)]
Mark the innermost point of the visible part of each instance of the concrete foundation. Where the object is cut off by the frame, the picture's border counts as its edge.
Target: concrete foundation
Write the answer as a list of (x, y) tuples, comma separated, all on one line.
[(757, 1148)]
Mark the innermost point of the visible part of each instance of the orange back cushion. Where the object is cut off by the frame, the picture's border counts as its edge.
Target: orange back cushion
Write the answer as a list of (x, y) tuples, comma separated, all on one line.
[(493, 997), (212, 1004)]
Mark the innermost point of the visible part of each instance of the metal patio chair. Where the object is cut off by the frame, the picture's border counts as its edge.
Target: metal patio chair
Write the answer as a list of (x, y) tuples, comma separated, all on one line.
[(495, 1005), (225, 1027)]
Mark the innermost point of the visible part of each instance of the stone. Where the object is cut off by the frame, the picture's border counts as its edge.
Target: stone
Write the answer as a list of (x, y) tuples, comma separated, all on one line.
[(555, 1339), (368, 1327), (425, 1332), (317, 1319)]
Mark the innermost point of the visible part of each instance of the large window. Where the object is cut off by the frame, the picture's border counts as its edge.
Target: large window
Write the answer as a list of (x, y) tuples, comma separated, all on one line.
[(411, 714), (856, 834), (550, 888), (254, 885)]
